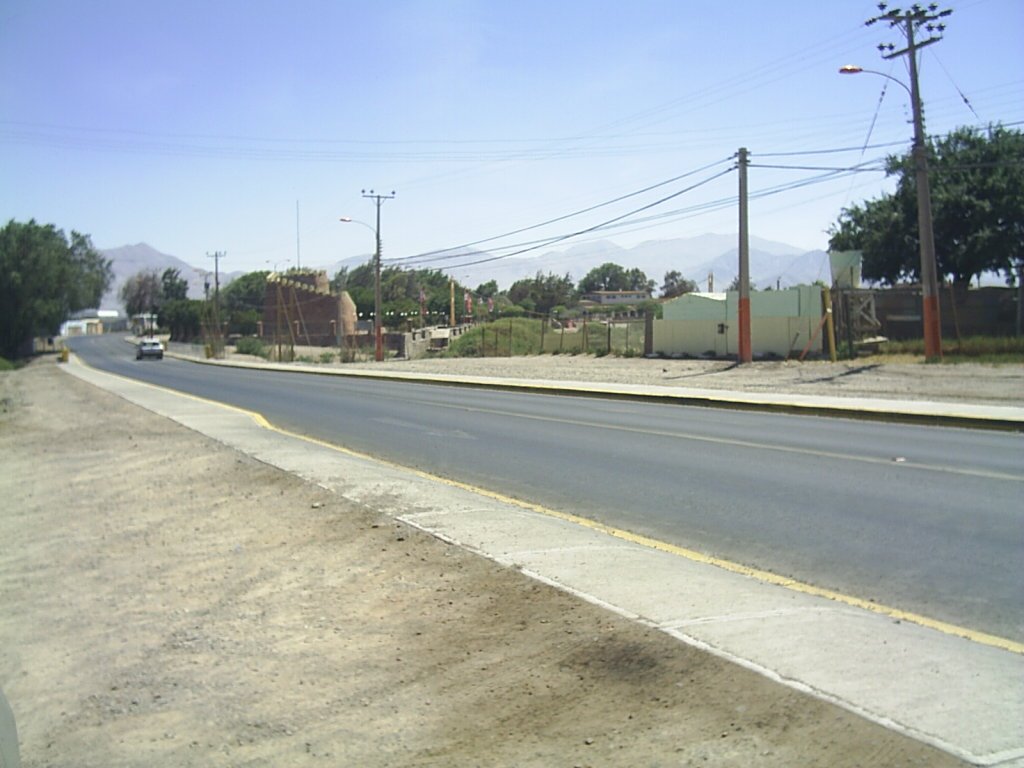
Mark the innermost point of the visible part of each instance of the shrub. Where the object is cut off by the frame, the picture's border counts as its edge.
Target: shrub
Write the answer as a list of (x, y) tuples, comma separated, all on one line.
[(251, 346), (326, 357)]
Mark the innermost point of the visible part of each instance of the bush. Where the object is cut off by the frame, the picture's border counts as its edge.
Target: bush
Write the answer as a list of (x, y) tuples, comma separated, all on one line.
[(326, 357), (6, 365), (252, 346)]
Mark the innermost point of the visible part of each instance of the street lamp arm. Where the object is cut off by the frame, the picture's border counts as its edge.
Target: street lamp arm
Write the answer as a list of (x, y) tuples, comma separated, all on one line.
[(348, 220), (853, 69)]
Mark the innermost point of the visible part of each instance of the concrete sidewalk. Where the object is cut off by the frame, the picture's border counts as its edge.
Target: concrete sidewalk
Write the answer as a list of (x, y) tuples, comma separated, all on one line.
[(963, 696)]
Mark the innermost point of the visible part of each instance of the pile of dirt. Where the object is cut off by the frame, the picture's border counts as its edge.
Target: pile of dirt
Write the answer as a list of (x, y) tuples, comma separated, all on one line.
[(170, 602)]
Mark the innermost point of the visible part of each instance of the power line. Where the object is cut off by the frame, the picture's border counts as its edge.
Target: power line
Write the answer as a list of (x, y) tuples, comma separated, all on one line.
[(562, 238), (560, 218)]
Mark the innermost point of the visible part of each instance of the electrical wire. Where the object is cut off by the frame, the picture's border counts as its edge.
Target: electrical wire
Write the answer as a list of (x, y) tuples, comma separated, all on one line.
[(562, 238), (561, 218)]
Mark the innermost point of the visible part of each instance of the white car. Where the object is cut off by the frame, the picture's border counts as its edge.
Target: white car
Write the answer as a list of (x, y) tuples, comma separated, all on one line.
[(149, 348)]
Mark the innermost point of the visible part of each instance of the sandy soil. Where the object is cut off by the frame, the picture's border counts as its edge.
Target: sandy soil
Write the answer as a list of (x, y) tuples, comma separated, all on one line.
[(882, 377), (167, 601)]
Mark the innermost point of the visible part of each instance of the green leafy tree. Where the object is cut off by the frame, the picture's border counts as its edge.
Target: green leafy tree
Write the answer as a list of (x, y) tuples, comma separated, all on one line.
[(340, 280), (542, 293), (182, 317), (400, 291), (636, 280), (142, 292), (977, 193), (243, 300), (612, 277), (607, 277), (245, 292), (487, 290), (173, 286), (44, 277), (675, 284)]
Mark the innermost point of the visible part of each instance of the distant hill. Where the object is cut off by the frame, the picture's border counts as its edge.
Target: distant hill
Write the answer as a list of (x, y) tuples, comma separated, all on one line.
[(771, 264), (129, 260)]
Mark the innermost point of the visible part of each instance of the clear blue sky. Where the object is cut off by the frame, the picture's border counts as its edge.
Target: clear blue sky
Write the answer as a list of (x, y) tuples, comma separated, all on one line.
[(197, 126)]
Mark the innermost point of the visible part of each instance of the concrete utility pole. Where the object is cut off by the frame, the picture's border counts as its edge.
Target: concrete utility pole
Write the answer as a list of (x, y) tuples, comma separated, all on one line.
[(379, 343), (909, 22), (745, 353)]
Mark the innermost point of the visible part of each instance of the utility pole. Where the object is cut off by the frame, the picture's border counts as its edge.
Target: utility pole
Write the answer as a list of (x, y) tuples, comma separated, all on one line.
[(379, 344), (216, 256), (215, 340), (298, 260), (745, 353), (909, 22)]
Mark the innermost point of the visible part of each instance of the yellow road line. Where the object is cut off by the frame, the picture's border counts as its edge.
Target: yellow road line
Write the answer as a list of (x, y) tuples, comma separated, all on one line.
[(767, 577)]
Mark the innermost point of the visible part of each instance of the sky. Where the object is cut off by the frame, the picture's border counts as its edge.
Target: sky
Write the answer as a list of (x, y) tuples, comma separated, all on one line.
[(250, 127)]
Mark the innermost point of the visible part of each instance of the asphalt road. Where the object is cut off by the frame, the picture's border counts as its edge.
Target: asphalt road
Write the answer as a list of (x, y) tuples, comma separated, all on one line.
[(926, 519)]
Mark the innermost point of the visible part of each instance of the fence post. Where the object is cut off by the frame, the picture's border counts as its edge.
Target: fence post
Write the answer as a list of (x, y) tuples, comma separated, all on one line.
[(648, 333)]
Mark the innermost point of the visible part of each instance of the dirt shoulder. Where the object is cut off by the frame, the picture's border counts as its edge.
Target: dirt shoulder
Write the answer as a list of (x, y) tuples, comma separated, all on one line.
[(168, 601)]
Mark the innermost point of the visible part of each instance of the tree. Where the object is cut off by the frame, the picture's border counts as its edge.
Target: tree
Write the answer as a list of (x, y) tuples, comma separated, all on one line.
[(246, 292), (142, 292), (487, 290), (340, 281), (182, 317), (43, 279), (173, 286), (607, 277), (636, 280), (676, 285), (542, 293), (977, 194), (612, 277)]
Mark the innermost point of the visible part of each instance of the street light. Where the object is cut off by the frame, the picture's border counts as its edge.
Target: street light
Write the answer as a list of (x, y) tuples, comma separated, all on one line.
[(926, 234), (377, 334)]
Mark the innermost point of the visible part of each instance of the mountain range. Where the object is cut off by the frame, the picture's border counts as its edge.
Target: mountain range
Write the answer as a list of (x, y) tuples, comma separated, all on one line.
[(772, 264)]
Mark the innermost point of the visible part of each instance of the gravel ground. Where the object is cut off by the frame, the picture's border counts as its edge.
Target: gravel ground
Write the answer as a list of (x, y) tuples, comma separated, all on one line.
[(167, 601)]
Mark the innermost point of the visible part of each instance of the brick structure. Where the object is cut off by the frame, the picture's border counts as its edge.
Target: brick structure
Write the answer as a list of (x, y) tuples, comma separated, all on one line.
[(300, 308)]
